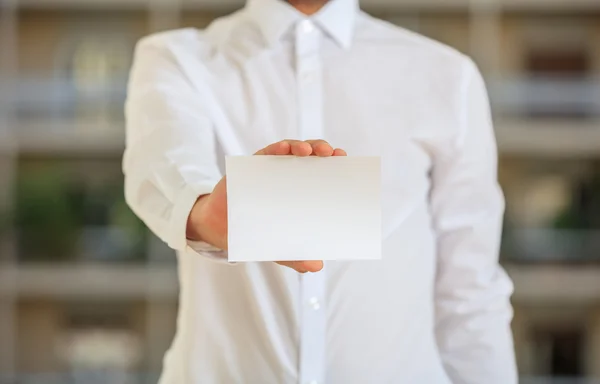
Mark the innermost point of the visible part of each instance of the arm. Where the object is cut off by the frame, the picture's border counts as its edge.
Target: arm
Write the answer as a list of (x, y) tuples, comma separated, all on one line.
[(472, 291), (170, 158), (172, 181)]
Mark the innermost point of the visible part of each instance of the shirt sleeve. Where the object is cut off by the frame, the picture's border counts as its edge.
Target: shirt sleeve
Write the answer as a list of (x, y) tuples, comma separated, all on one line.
[(170, 157), (472, 292)]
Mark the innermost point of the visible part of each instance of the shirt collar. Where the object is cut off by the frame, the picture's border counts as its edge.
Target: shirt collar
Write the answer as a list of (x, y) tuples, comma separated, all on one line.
[(275, 17)]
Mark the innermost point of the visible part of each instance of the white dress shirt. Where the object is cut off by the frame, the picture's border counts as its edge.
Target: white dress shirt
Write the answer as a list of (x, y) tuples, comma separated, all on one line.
[(436, 308)]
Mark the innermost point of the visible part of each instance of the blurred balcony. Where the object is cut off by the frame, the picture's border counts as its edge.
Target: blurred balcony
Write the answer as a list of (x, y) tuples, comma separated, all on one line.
[(557, 116), (548, 137), (557, 380), (546, 97), (85, 244), (547, 116), (550, 266), (108, 245), (369, 4), (56, 116), (552, 245), (98, 377), (542, 284), (72, 211), (88, 281), (128, 378), (62, 98), (537, 284)]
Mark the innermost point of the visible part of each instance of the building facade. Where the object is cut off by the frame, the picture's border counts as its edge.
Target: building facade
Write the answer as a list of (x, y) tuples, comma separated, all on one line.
[(88, 295)]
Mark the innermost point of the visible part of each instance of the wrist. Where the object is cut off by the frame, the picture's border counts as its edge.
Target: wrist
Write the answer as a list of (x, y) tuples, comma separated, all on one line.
[(196, 219)]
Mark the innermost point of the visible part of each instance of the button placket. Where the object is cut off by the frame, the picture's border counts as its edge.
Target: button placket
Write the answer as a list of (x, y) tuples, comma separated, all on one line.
[(309, 81), (310, 122)]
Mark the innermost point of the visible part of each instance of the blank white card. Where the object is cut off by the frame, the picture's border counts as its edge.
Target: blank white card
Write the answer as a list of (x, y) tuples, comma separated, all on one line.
[(283, 208)]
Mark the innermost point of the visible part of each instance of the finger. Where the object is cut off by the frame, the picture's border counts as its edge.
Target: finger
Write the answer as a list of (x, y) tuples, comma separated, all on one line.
[(320, 148), (300, 148), (339, 152), (293, 265), (303, 266), (281, 148), (312, 266)]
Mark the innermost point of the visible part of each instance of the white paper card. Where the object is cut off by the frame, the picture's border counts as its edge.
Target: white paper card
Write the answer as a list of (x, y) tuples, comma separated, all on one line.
[(283, 208)]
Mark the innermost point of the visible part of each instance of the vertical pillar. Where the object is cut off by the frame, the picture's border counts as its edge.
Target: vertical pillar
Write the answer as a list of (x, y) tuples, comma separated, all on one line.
[(524, 348), (164, 15), (161, 323), (592, 352), (411, 21), (485, 32), (8, 292)]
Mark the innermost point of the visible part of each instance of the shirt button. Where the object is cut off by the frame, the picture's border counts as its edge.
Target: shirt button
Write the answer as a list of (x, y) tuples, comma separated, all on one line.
[(314, 303), (307, 26)]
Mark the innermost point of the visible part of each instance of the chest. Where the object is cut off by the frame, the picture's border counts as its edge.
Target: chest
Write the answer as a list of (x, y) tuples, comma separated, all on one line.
[(367, 107)]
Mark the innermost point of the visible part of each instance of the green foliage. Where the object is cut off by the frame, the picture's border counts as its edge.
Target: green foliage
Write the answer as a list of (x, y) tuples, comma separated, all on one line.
[(55, 213), (569, 219), (584, 212), (47, 224)]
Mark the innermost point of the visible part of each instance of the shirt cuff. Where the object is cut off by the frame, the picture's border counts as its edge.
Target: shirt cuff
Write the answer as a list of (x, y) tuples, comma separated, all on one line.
[(184, 202), (204, 249), (179, 217)]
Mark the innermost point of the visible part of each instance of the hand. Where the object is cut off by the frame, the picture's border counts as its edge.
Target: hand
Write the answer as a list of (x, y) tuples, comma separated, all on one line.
[(208, 218)]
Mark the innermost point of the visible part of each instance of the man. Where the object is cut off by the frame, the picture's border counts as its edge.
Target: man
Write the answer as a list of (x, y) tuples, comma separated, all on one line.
[(435, 309)]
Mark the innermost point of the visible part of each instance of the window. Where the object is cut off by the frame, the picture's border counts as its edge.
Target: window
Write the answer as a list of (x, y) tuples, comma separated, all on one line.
[(74, 209), (553, 210), (100, 341), (97, 70), (75, 66), (557, 62), (560, 351)]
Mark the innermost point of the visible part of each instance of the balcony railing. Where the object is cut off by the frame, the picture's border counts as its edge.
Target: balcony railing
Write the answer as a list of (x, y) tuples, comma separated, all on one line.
[(369, 5), (520, 97), (90, 244), (62, 100), (551, 245), (143, 378), (557, 380), (546, 96), (100, 377)]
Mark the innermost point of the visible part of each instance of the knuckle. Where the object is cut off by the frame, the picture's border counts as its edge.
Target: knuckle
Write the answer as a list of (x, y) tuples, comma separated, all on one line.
[(317, 142)]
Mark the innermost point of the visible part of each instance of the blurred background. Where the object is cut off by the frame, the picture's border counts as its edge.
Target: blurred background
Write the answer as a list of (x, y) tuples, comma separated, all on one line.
[(87, 295)]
